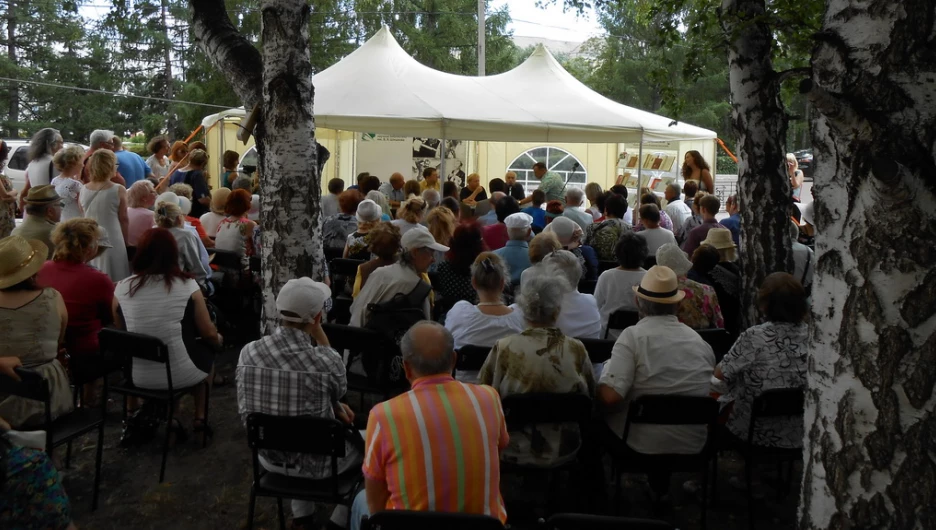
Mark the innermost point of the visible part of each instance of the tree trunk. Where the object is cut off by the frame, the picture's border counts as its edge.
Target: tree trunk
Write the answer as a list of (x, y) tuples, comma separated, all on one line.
[(13, 110), (870, 420), (760, 122), (167, 66), (281, 83)]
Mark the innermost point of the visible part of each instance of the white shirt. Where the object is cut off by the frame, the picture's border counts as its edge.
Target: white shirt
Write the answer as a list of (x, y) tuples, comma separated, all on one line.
[(656, 238), (583, 219), (614, 292), (40, 171), (210, 222), (382, 285), (678, 211), (659, 356), (469, 326), (578, 317), (404, 226)]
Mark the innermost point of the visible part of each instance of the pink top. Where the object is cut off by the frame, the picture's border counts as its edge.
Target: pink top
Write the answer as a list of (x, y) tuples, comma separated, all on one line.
[(495, 236), (141, 220), (88, 294)]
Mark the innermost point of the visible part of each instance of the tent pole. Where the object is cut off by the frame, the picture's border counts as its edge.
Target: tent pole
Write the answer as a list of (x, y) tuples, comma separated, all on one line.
[(442, 176), (639, 167)]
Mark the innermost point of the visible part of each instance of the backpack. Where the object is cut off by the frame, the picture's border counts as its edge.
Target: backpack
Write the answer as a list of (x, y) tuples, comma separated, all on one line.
[(393, 318)]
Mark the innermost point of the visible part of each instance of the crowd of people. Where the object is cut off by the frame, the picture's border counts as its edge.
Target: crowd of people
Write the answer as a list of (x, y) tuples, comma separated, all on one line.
[(112, 240)]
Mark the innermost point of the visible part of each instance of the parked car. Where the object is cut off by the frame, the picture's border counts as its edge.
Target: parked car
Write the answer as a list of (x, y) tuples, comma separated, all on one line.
[(804, 158), (19, 160)]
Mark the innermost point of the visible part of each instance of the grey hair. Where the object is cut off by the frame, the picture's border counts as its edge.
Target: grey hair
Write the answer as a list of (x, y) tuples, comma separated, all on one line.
[(518, 234), (575, 195), (100, 136), (432, 198), (42, 143), (168, 215), (541, 299), (567, 264), (242, 183), (646, 308), (415, 353)]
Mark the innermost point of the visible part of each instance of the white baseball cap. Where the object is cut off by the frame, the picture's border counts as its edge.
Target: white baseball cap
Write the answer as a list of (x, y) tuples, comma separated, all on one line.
[(304, 297), (420, 237), (518, 220)]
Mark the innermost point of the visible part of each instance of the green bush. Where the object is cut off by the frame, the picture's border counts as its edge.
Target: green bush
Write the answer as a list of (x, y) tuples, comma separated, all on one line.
[(139, 149), (725, 165)]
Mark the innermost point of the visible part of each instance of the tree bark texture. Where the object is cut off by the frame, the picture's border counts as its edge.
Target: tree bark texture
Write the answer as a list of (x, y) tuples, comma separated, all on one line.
[(281, 83), (13, 110), (870, 423), (761, 125)]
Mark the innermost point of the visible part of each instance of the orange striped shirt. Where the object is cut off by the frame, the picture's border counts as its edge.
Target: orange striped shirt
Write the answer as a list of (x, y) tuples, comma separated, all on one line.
[(437, 447)]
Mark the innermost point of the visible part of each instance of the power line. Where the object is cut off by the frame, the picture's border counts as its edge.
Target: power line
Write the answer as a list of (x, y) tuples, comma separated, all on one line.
[(111, 93)]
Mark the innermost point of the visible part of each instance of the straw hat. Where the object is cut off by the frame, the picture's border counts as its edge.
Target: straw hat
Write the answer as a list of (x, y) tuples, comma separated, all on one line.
[(218, 198), (660, 285), (20, 259), (719, 238), (44, 194)]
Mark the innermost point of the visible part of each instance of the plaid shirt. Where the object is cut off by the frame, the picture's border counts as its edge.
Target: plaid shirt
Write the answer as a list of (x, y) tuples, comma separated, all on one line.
[(284, 374)]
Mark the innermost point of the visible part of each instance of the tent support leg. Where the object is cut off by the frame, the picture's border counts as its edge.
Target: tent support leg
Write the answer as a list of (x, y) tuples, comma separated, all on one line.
[(639, 168), (442, 175)]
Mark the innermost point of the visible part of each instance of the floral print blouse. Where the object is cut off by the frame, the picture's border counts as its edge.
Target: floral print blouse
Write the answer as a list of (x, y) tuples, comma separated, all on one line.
[(7, 209), (699, 309), (603, 237), (357, 246)]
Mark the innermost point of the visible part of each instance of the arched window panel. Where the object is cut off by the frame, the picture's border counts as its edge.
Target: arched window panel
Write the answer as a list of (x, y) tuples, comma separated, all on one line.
[(557, 160)]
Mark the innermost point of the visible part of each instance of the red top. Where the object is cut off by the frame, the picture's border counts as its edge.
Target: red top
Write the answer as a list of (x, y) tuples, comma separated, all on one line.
[(88, 294), (495, 236)]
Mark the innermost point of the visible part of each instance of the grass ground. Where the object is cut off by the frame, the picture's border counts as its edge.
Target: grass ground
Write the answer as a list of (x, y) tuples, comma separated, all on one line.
[(208, 488)]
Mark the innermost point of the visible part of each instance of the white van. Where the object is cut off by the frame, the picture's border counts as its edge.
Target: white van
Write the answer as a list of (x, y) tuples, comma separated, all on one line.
[(19, 159)]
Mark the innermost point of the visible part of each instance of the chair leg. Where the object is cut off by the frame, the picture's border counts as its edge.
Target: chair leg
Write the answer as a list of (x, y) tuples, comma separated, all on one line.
[(68, 455), (165, 455), (207, 402), (704, 496), (279, 509), (97, 466), (749, 475), (617, 489), (250, 508), (715, 479)]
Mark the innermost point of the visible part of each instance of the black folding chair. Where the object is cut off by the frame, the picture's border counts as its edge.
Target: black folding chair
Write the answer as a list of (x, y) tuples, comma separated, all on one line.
[(719, 339), (65, 428), (128, 346), (599, 350), (342, 272), (410, 520), (374, 348), (470, 357), (607, 265), (774, 403), (587, 286), (621, 319), (324, 437), (580, 521), (668, 410)]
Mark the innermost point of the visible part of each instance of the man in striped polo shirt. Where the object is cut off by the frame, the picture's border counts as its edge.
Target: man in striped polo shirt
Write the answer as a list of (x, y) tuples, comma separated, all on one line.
[(436, 447)]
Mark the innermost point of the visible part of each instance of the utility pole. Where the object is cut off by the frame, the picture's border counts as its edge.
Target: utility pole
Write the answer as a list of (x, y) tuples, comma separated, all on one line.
[(481, 34), (167, 56), (13, 111)]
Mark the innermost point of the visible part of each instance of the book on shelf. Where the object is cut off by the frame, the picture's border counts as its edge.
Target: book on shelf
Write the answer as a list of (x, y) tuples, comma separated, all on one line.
[(667, 163), (653, 183), (663, 183), (657, 162), (648, 161), (632, 161), (631, 181)]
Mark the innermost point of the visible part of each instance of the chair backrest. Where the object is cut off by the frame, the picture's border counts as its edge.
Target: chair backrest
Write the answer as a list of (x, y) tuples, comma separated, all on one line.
[(410, 520), (30, 386), (719, 339), (673, 410), (125, 346), (344, 267), (332, 254), (353, 339), (587, 286), (622, 319), (521, 410), (599, 350), (470, 357), (296, 434), (227, 259), (580, 521)]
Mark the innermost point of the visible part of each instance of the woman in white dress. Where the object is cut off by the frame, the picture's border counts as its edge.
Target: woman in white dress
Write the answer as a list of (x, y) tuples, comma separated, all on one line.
[(40, 171), (68, 183), (159, 162), (106, 203)]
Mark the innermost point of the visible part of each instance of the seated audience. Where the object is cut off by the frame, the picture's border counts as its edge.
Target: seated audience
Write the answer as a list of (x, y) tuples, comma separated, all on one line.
[(87, 292), (287, 374), (804, 260), (495, 235), (490, 217), (411, 189), (330, 200), (768, 356), (453, 206), (579, 316), (441, 223), (658, 355), (483, 324), (469, 416), (620, 189), (67, 184), (655, 236), (592, 192), (359, 181), (381, 201), (184, 192), (604, 235), (733, 222), (418, 254), (43, 212), (677, 210), (541, 246), (141, 198), (393, 190), (194, 175), (449, 189), (432, 198), (454, 273), (613, 292), (169, 216), (368, 217), (600, 203), (212, 220), (162, 301), (473, 191), (573, 210), (229, 160), (384, 245), (651, 198), (707, 269), (690, 191), (369, 184), (34, 322), (430, 180), (516, 253), (535, 209), (570, 235), (693, 220), (699, 309), (337, 228), (708, 206), (554, 209), (410, 214), (512, 187), (541, 359), (235, 233)]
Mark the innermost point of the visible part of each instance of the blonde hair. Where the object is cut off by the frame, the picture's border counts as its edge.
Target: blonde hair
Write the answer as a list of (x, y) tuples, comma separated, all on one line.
[(182, 190), (168, 215), (68, 157), (412, 210), (138, 192), (73, 238), (542, 245), (490, 272), (198, 157), (102, 166), (592, 191), (790, 157), (441, 223), (728, 254)]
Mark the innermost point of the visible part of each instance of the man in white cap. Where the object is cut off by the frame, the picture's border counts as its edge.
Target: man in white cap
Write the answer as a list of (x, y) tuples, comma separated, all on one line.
[(516, 253), (419, 248), (658, 355), (287, 374)]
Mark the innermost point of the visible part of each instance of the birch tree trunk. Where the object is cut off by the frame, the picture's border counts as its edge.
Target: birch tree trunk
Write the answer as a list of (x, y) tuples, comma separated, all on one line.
[(280, 81), (870, 423), (761, 125)]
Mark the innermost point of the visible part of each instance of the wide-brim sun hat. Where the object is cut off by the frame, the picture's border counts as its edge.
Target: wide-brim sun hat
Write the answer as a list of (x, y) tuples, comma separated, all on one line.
[(660, 285), (218, 199), (368, 211), (719, 238), (20, 259), (670, 255)]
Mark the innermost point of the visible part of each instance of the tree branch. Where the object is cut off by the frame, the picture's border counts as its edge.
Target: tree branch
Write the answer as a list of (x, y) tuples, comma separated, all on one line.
[(228, 50), (804, 71)]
